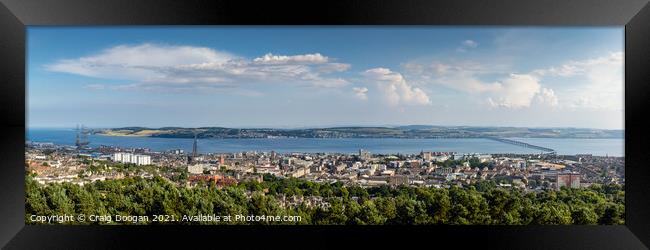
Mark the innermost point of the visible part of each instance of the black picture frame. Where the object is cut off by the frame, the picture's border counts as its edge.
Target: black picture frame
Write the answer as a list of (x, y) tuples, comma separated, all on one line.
[(15, 15)]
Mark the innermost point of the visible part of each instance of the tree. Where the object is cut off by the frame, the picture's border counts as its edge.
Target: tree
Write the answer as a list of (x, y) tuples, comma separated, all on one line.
[(485, 186), (370, 215), (182, 176), (553, 213), (344, 193), (504, 207), (436, 202), (613, 214), (58, 201), (409, 211), (35, 199), (387, 209), (259, 205), (352, 212), (473, 204), (583, 214)]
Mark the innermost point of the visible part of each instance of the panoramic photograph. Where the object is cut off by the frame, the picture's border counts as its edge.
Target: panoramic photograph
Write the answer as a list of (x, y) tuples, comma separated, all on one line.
[(325, 125)]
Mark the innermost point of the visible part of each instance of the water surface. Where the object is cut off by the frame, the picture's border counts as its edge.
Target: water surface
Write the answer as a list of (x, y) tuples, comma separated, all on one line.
[(611, 147)]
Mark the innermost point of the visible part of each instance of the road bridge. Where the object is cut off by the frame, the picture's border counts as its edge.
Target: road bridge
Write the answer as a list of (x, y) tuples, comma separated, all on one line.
[(523, 144)]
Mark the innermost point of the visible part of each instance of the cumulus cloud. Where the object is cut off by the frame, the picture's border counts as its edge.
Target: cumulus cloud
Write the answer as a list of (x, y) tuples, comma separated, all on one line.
[(170, 67), (361, 93), (510, 91), (546, 97), (395, 88), (515, 91), (599, 81)]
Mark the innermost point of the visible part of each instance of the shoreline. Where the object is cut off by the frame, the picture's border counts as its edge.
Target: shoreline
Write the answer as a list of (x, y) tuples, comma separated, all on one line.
[(406, 138)]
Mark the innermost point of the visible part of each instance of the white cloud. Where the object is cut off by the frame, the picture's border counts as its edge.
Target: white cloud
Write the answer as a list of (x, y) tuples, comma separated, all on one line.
[(467, 45), (169, 67), (137, 62), (515, 91), (462, 76), (333, 67), (511, 91), (468, 83), (598, 81), (279, 59), (329, 82), (470, 44), (582, 67), (395, 88), (361, 93), (546, 97)]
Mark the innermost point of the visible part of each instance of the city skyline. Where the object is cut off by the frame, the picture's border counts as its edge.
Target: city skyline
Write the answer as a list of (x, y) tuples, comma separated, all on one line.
[(325, 77)]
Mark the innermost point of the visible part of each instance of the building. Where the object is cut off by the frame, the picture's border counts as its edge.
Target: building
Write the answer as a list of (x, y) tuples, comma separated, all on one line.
[(176, 151), (443, 171), (522, 164), (121, 157), (141, 159), (398, 180), (287, 161), (195, 169), (301, 172), (218, 180), (364, 154), (413, 163), (194, 147), (549, 166), (193, 158), (571, 180), (141, 150), (388, 172), (457, 157), (338, 168), (484, 158), (440, 158), (427, 156), (137, 159)]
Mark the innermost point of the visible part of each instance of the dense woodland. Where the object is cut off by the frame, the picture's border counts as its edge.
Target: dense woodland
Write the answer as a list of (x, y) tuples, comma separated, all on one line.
[(482, 203)]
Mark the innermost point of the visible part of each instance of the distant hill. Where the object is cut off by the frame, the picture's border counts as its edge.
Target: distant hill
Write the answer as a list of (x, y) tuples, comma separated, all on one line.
[(411, 131)]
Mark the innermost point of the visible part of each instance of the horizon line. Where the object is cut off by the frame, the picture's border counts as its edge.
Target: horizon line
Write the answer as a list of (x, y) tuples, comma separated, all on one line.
[(325, 127)]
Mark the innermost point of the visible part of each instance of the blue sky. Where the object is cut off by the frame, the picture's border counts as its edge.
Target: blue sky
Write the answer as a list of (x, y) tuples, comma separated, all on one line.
[(325, 76)]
